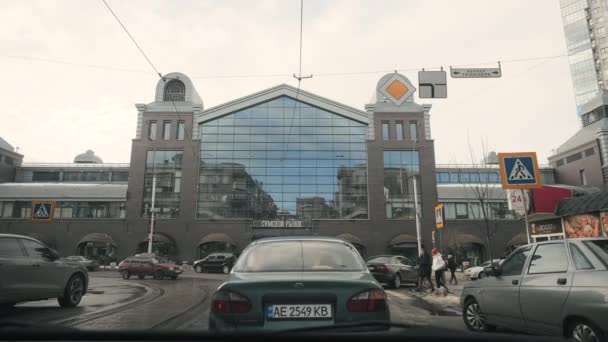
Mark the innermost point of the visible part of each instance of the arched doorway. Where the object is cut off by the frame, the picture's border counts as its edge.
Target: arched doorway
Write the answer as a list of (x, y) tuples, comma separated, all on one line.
[(45, 239), (162, 245), (215, 243), (466, 248), (98, 246), (405, 245), (356, 241)]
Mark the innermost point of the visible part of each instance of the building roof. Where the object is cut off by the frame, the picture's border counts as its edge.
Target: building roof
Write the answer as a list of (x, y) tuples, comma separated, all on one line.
[(584, 136), (583, 204), (5, 145), (63, 191), (75, 166), (447, 192)]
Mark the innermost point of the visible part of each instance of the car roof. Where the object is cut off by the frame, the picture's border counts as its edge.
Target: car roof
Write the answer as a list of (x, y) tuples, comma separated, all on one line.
[(299, 238), (570, 240), (20, 237)]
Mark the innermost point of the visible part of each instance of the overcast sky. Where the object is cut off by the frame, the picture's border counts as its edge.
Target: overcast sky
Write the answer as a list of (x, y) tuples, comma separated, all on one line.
[(53, 111)]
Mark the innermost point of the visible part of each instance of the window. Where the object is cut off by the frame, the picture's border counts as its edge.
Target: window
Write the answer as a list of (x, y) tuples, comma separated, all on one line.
[(514, 265), (443, 177), (450, 211), (152, 130), (166, 130), (399, 129), (574, 157), (180, 130), (462, 211), (385, 132), (580, 260), (45, 176), (168, 168), (582, 177), (414, 131), (34, 249), (549, 258), (175, 91), (589, 152), (400, 168), (464, 177), (600, 249), (10, 247), (8, 160), (559, 163), (120, 176), (306, 163)]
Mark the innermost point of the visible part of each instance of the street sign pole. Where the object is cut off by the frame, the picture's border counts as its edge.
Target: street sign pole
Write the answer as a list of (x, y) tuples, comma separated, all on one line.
[(526, 215), (416, 209)]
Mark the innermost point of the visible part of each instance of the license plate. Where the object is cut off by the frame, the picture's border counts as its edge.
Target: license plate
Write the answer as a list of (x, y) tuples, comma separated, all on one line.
[(299, 311)]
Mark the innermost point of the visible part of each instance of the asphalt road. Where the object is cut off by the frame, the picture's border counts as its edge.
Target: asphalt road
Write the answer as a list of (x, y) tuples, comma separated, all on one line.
[(116, 304)]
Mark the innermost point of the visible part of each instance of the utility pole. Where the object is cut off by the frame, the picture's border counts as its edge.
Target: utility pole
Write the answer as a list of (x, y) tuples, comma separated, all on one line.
[(416, 209)]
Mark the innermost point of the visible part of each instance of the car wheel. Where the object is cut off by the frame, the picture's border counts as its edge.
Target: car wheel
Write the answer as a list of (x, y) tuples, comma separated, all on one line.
[(226, 269), (481, 275), (584, 331), (141, 276), (396, 281), (74, 290), (125, 274), (158, 275), (474, 318), (198, 269)]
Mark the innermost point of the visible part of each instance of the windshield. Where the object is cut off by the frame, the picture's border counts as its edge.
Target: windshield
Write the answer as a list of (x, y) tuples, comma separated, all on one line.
[(299, 256), (380, 260), (600, 249)]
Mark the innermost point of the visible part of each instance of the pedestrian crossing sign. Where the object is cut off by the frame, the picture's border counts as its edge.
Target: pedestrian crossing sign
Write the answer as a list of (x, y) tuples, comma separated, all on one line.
[(42, 211), (519, 170)]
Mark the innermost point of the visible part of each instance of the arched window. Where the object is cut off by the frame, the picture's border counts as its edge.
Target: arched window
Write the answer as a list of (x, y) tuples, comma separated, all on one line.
[(175, 90)]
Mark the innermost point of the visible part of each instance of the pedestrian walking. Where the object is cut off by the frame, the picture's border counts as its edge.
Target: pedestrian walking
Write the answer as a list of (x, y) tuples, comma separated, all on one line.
[(424, 269), (452, 267), (439, 267)]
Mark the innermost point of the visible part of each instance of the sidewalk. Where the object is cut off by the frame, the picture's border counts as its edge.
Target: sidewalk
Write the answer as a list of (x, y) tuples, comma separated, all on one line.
[(445, 300)]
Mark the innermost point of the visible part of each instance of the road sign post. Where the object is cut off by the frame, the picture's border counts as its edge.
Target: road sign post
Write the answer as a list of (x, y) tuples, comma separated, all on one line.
[(520, 170), (440, 223)]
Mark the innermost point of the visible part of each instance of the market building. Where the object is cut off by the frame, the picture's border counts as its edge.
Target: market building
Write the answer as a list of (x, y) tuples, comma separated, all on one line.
[(282, 161)]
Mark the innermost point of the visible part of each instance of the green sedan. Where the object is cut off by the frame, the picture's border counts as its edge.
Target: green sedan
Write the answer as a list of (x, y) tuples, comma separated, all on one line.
[(287, 283)]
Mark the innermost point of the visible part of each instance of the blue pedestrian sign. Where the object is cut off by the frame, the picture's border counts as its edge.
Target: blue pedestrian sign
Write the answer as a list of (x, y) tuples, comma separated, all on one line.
[(519, 170), (42, 211)]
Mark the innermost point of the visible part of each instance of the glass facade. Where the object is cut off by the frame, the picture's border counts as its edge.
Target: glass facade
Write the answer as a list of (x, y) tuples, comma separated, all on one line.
[(498, 210), (283, 158), (168, 168), (461, 176), (400, 167), (581, 39), (89, 210)]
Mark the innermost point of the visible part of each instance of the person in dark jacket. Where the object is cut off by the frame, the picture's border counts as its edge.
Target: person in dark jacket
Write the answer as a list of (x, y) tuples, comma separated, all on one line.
[(452, 267), (424, 269)]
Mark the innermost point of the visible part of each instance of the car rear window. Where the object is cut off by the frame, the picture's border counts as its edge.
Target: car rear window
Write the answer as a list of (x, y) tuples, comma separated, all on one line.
[(10, 247), (311, 256), (380, 260), (599, 248)]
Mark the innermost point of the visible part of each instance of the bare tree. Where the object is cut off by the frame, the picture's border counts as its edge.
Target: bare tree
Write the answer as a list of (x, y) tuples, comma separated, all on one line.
[(484, 192)]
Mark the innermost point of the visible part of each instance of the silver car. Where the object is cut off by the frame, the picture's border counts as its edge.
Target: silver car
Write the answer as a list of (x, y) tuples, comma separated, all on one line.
[(550, 288), (30, 270)]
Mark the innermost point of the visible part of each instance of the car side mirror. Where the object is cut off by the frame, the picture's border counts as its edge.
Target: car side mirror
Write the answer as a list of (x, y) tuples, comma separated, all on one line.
[(491, 271), (50, 254)]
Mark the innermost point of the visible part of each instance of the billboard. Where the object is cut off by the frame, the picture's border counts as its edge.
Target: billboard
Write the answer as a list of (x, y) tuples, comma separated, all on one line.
[(553, 226), (582, 226)]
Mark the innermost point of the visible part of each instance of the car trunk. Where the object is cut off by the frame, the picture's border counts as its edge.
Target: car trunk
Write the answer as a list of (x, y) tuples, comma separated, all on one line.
[(265, 290)]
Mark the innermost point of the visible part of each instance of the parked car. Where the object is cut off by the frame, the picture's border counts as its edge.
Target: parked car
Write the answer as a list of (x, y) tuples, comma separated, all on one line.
[(215, 262), (393, 270), (477, 272), (289, 283), (33, 271), (148, 264), (554, 287), (90, 264)]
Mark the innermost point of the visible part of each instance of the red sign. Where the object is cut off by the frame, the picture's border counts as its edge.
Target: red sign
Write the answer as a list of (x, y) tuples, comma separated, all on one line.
[(546, 198)]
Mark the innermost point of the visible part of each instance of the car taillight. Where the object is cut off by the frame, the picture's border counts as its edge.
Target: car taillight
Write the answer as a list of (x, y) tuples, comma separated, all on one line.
[(367, 301), (230, 302)]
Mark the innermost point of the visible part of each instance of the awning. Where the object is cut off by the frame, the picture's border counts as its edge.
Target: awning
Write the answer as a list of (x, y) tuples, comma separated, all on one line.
[(456, 238), (583, 204), (47, 240), (403, 239), (97, 237), (350, 238), (162, 238), (518, 240), (216, 237)]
